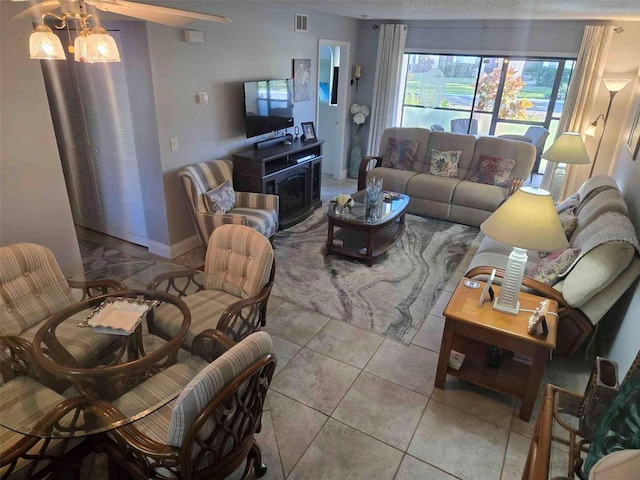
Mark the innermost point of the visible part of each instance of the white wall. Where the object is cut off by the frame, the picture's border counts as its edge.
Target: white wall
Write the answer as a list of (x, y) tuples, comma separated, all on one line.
[(34, 206)]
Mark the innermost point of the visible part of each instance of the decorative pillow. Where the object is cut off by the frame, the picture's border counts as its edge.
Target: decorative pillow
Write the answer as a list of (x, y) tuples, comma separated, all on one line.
[(569, 222), (444, 164), (550, 268), (221, 199), (620, 425), (401, 154), (493, 171)]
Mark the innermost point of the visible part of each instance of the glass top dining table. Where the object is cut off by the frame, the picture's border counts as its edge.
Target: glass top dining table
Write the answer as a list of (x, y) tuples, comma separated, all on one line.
[(62, 374)]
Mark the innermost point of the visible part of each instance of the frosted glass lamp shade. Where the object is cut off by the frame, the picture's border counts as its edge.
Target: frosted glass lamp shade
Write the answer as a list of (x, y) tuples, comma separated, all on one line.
[(591, 130), (568, 148), (615, 84), (45, 45), (96, 46)]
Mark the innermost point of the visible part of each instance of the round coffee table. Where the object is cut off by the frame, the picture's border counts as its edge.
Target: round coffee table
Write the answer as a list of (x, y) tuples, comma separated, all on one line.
[(366, 232)]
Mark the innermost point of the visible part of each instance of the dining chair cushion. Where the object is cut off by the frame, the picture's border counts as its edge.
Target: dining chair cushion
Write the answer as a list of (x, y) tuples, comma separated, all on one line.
[(210, 381), (33, 287), (83, 344), (24, 398), (168, 382), (238, 261), (206, 307)]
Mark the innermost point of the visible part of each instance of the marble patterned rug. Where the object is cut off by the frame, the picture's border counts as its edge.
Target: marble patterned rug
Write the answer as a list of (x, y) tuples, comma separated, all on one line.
[(393, 297)]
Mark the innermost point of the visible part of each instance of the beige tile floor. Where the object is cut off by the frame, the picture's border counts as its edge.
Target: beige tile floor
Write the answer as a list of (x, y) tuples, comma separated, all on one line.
[(348, 404)]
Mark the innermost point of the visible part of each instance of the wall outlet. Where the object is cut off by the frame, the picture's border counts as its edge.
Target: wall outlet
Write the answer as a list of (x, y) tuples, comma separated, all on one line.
[(174, 144)]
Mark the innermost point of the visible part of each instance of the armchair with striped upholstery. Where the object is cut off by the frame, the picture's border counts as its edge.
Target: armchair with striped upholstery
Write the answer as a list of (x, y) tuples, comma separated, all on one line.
[(256, 210)]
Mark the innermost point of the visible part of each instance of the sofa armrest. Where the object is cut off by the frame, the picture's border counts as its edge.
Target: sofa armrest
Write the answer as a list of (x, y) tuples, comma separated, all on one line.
[(257, 200), (366, 164), (573, 325), (516, 183)]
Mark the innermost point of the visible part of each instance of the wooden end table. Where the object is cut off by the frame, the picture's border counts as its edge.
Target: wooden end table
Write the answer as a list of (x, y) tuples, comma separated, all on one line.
[(366, 232), (471, 329)]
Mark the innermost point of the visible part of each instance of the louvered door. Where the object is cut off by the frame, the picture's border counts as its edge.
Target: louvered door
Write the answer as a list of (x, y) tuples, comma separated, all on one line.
[(92, 118)]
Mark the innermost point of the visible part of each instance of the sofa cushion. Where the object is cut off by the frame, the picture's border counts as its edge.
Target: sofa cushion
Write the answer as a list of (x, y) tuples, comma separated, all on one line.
[(401, 133), (493, 171), (439, 189), (393, 180), (444, 164), (550, 267), (445, 141), (400, 154), (524, 153), (221, 199), (478, 195)]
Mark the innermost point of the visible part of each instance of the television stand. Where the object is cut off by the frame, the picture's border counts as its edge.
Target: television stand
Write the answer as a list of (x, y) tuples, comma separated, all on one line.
[(272, 142), (293, 172)]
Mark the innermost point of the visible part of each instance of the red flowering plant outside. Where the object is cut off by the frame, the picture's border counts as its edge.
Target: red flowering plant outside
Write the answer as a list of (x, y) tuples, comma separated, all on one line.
[(511, 106)]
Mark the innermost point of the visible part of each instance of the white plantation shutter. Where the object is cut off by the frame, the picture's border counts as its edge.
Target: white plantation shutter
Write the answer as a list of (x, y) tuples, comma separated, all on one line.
[(91, 112)]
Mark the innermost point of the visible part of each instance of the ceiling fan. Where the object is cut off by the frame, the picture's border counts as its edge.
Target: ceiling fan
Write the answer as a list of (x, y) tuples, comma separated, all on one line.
[(172, 17), (93, 44)]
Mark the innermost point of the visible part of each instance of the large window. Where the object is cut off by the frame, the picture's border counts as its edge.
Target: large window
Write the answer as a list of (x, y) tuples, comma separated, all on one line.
[(508, 94)]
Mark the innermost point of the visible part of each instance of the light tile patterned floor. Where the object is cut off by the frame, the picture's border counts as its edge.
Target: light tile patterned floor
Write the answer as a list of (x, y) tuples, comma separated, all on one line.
[(348, 404)]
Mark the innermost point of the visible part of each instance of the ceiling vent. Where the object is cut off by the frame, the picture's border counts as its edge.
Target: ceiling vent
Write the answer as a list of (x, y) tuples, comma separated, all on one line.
[(301, 23)]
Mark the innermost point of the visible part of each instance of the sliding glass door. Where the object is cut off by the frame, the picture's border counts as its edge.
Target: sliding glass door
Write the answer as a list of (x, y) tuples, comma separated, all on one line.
[(508, 94)]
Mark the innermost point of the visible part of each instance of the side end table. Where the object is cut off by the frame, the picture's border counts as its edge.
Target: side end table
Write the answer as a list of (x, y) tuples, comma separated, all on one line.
[(471, 329)]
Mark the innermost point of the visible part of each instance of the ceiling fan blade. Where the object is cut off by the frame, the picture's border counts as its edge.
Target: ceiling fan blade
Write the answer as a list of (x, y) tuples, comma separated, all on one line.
[(38, 9), (153, 13)]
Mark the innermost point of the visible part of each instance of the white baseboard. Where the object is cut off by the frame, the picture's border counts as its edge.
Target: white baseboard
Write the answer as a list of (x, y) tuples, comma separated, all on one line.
[(175, 250)]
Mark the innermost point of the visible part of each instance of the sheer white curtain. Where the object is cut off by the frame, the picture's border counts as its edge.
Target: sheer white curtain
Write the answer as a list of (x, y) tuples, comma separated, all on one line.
[(581, 95), (386, 96)]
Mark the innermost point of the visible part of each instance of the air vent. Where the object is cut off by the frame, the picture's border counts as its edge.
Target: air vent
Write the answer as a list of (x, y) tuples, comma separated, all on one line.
[(301, 23)]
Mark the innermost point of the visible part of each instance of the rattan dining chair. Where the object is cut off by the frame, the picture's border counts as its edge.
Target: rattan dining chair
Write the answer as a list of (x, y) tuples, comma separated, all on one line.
[(208, 431), (232, 293)]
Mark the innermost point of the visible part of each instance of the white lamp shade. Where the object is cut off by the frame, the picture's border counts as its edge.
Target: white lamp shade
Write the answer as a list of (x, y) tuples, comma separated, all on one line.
[(96, 47), (615, 84), (45, 45), (528, 220), (568, 148)]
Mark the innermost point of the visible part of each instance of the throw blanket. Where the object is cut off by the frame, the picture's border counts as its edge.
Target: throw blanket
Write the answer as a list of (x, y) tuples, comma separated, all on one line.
[(598, 182), (608, 227)]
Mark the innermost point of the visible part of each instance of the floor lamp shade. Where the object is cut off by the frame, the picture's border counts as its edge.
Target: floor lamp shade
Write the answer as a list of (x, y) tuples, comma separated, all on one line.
[(568, 148), (527, 221)]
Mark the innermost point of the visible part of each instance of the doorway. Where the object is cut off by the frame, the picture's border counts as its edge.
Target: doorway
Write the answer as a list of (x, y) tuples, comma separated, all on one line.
[(331, 107)]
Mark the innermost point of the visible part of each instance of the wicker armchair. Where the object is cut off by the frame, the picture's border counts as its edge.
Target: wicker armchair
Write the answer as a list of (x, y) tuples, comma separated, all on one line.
[(208, 431), (232, 293), (256, 210), (34, 288)]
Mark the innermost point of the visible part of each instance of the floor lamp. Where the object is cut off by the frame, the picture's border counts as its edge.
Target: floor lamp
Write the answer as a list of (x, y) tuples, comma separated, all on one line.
[(613, 86), (568, 148)]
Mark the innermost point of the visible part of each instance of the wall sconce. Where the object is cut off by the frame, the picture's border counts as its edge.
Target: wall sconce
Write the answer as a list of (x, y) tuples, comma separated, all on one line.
[(613, 86), (357, 73)]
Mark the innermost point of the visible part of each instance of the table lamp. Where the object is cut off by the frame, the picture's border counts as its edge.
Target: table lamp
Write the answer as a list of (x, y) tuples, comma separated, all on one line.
[(528, 221), (568, 148)]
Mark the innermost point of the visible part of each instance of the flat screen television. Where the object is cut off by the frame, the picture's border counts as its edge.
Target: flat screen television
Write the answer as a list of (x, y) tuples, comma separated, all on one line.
[(268, 106)]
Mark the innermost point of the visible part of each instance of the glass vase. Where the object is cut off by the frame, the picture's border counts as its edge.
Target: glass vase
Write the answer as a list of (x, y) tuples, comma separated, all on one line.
[(356, 157)]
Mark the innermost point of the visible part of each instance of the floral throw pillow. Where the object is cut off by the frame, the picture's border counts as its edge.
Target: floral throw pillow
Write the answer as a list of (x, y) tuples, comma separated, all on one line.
[(444, 164), (401, 154), (493, 171), (569, 223), (548, 271), (221, 199)]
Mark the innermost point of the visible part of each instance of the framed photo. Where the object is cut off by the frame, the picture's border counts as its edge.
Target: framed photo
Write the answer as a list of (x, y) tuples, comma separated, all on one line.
[(308, 132), (487, 289), (633, 143), (301, 79)]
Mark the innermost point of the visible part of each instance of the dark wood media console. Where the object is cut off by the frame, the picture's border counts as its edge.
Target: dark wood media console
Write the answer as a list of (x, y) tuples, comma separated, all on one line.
[(293, 172)]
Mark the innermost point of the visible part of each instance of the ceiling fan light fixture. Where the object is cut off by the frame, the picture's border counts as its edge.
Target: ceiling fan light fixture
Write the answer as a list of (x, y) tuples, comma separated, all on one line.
[(95, 46), (45, 45)]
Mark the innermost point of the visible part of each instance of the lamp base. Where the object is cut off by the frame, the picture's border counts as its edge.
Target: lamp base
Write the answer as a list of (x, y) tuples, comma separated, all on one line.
[(507, 300)]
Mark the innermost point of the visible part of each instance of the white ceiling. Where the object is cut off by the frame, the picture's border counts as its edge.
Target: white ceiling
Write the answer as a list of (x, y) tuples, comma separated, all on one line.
[(478, 9)]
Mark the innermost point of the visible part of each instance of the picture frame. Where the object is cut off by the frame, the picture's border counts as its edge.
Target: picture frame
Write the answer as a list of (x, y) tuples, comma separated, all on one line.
[(301, 79), (633, 142), (308, 132), (487, 289)]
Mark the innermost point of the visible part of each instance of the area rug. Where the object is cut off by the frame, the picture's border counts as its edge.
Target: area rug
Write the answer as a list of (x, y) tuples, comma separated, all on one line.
[(393, 297), (103, 260)]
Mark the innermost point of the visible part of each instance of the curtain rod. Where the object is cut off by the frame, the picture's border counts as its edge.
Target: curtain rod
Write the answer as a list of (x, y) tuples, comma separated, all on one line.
[(375, 26)]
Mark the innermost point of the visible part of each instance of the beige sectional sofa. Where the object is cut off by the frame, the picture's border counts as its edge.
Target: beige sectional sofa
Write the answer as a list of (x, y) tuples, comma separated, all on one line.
[(607, 266), (457, 199)]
